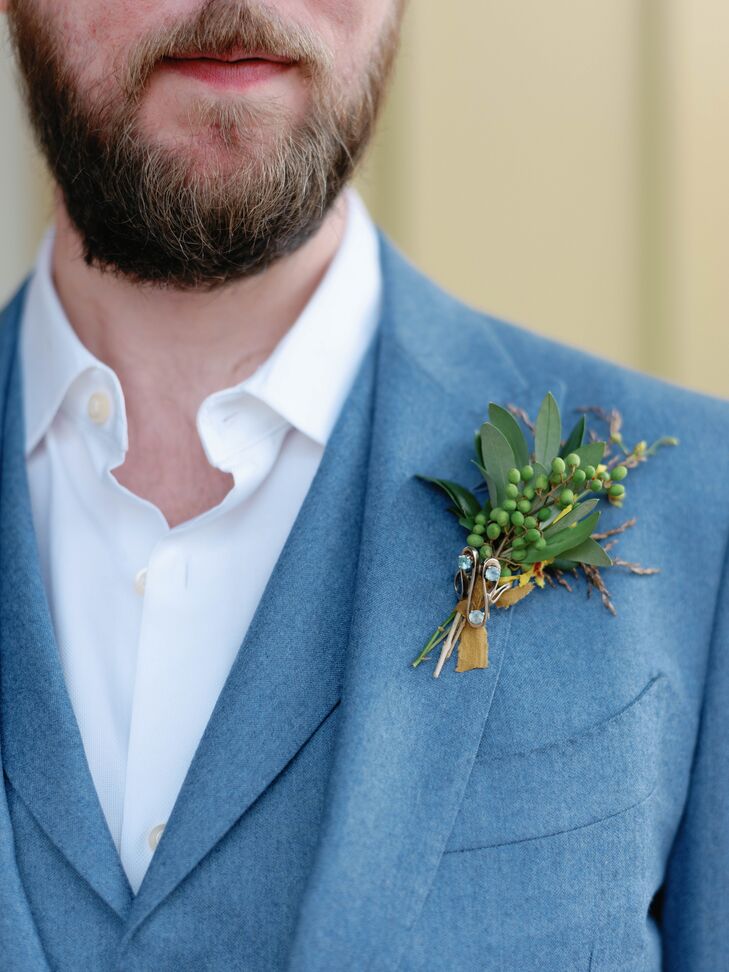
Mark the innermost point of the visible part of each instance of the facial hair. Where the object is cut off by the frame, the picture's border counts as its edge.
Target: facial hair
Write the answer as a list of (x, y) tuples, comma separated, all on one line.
[(152, 214)]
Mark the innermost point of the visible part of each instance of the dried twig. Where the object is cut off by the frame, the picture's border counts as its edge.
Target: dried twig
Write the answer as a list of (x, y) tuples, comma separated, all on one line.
[(521, 414), (561, 579), (635, 568), (594, 579), (616, 530), (595, 410)]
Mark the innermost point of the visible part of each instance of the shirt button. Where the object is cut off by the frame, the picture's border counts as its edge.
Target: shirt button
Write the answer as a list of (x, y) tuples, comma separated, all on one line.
[(154, 836), (140, 580), (99, 407)]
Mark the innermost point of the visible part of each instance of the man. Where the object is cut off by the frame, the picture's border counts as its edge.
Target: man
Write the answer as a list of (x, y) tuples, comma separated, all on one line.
[(217, 562)]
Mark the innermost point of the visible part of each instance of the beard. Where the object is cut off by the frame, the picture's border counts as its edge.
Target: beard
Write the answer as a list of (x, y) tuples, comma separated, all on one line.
[(155, 214)]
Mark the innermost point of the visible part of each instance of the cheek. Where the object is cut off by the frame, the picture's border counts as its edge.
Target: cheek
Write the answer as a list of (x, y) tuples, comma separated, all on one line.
[(98, 34), (350, 27)]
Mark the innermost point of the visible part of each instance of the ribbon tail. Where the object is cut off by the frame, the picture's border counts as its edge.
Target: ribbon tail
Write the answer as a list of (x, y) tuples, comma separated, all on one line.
[(473, 649)]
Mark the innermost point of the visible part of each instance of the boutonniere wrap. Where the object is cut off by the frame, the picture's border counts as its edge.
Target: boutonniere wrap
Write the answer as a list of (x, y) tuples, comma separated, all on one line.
[(537, 524)]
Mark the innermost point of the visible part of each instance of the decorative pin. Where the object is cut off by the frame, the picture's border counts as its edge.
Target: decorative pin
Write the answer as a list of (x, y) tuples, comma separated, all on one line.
[(477, 587)]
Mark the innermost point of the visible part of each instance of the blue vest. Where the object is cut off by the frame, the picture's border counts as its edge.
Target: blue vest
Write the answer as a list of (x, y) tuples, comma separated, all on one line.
[(565, 808)]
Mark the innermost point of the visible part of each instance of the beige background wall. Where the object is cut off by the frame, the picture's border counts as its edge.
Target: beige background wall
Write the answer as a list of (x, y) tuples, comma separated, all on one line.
[(560, 164)]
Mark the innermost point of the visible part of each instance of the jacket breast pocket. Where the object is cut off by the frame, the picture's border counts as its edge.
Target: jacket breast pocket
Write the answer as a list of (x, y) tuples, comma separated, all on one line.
[(599, 772)]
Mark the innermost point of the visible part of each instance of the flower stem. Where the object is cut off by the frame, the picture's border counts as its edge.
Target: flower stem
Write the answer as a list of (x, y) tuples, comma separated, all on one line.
[(438, 635)]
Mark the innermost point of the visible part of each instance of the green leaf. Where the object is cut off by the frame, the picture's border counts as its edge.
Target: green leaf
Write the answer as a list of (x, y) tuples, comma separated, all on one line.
[(564, 540), (490, 486), (591, 454), (590, 552), (498, 459), (463, 498), (466, 522), (548, 431), (577, 513), (575, 438), (511, 430), (477, 446)]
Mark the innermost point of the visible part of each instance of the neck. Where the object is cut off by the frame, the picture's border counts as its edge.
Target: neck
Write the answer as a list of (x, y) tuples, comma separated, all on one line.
[(170, 349)]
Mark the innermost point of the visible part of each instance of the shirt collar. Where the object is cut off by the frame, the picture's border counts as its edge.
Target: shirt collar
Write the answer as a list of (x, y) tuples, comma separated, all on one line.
[(308, 375), (54, 360), (321, 351)]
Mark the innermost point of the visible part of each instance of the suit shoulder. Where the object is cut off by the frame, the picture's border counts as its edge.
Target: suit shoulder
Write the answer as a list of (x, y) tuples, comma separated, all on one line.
[(595, 378)]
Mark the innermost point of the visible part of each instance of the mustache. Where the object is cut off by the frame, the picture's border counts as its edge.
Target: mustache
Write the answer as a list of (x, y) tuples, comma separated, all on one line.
[(222, 27)]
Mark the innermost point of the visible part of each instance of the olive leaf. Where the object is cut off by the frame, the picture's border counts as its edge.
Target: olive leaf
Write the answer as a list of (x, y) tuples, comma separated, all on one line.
[(590, 552), (464, 500), (564, 540), (498, 459), (575, 438), (591, 454), (477, 446), (578, 512), (511, 430), (548, 431)]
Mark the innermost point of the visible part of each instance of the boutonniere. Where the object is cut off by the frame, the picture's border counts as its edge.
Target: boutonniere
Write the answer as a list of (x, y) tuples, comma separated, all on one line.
[(537, 523)]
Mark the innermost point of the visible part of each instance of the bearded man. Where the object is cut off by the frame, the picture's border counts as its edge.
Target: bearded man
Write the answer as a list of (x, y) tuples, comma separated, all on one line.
[(217, 561)]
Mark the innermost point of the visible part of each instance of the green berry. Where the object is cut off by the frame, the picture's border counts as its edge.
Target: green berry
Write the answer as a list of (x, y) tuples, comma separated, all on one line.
[(510, 505), (527, 473), (555, 479), (530, 522), (596, 485), (512, 491), (517, 518), (486, 551), (493, 531), (618, 473), (617, 489), (524, 505), (541, 482), (503, 518), (505, 571), (529, 492), (474, 540), (573, 460), (540, 544), (480, 529), (579, 476), (566, 497), (558, 465), (544, 514), (518, 555), (532, 536), (604, 474), (514, 476), (495, 513), (480, 518), (518, 542), (589, 472)]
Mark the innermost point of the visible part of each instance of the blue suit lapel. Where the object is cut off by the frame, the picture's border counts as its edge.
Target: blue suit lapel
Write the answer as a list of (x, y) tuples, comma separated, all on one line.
[(19, 942), (286, 678), (407, 741), (42, 749)]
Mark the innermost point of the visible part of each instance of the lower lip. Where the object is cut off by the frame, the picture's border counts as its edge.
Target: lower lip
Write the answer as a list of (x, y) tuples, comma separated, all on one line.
[(229, 75)]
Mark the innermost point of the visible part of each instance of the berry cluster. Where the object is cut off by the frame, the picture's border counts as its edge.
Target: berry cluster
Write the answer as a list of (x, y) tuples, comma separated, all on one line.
[(514, 531)]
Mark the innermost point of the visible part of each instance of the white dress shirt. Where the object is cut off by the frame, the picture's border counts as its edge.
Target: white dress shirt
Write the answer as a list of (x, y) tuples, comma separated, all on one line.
[(149, 619)]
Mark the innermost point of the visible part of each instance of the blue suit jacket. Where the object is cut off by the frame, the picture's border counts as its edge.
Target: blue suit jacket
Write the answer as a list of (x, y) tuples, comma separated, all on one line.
[(566, 808)]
